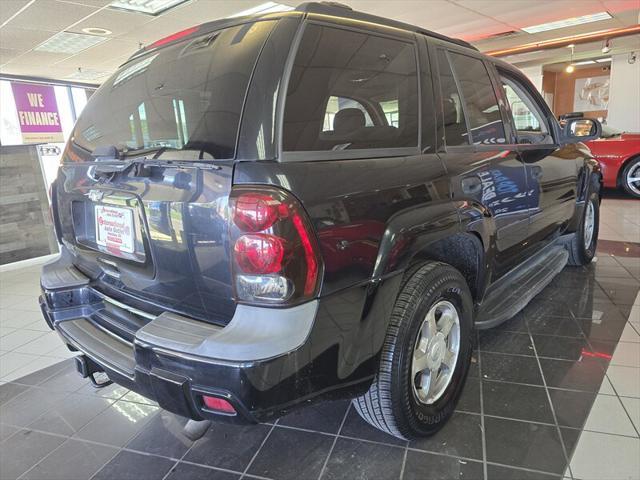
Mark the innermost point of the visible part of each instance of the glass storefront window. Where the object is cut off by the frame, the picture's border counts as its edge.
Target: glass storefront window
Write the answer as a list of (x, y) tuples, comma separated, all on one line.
[(10, 133)]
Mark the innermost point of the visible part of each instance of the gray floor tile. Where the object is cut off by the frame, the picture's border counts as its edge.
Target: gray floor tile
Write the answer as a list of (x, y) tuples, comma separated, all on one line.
[(73, 460), (352, 459), (135, 466), (29, 405), (70, 414), (117, 424), (23, 450)]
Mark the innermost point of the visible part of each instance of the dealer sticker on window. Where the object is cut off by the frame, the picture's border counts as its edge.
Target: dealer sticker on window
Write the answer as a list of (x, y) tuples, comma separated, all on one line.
[(114, 228)]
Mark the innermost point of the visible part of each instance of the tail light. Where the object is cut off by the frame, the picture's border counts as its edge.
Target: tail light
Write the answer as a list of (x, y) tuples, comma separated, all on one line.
[(275, 254)]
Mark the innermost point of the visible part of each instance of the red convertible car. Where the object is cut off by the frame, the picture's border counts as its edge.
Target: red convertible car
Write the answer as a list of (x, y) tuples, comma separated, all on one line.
[(619, 156)]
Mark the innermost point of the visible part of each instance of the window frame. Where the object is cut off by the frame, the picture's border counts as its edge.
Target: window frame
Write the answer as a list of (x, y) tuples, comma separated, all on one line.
[(319, 155), (434, 46), (499, 70), (527, 101)]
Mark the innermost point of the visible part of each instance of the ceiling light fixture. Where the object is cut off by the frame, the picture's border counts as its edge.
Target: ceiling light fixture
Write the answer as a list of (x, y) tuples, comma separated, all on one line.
[(585, 62), (568, 22), (570, 68), (603, 60), (268, 7), (148, 7), (606, 47), (69, 42), (97, 31)]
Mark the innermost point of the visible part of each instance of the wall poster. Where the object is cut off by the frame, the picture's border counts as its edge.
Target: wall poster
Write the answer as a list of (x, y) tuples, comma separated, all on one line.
[(37, 112)]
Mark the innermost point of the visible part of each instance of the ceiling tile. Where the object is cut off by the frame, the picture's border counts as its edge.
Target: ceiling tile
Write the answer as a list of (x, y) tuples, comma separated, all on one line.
[(51, 15), (10, 8), (159, 28), (116, 21), (21, 38), (34, 58), (90, 3), (201, 11), (36, 71), (93, 56), (7, 55)]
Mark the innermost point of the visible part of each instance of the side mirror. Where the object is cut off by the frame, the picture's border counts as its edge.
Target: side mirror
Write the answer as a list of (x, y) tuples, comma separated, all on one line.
[(581, 130)]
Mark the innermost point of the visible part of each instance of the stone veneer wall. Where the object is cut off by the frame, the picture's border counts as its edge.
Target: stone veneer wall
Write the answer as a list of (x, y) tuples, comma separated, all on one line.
[(25, 224)]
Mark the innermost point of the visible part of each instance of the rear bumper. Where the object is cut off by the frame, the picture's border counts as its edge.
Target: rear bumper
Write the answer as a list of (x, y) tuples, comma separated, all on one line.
[(264, 362)]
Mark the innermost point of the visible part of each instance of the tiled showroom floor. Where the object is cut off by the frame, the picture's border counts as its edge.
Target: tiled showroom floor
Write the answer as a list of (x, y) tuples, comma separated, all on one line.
[(553, 393)]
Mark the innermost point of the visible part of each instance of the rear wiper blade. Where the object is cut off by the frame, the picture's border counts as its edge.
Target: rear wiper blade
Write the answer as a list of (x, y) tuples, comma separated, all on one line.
[(118, 166), (111, 165)]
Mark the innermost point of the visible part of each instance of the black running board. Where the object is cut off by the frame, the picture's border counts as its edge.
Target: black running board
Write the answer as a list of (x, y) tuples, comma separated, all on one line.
[(517, 288)]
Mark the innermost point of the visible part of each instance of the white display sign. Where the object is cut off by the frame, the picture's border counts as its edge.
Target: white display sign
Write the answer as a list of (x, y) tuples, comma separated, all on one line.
[(591, 93), (114, 228)]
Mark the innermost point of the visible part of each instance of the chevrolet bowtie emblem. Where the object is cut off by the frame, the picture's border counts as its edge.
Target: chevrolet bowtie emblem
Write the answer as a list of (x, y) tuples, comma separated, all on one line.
[(95, 195)]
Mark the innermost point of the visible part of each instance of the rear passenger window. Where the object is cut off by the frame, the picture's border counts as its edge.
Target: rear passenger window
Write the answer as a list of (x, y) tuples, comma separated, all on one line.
[(480, 101), (351, 90)]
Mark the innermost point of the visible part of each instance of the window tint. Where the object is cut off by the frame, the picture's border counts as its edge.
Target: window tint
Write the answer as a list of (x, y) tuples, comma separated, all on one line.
[(350, 90), (480, 102), (454, 132), (526, 116), (186, 97)]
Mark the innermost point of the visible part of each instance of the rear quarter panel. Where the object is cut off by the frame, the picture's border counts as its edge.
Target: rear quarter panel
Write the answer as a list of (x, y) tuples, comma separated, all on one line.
[(359, 205)]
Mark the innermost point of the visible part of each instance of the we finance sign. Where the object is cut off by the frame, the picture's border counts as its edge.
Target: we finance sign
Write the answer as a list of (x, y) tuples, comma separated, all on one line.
[(37, 113)]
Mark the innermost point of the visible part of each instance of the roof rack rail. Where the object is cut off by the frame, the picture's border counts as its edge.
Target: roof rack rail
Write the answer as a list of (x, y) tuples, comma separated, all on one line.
[(342, 10), (337, 5)]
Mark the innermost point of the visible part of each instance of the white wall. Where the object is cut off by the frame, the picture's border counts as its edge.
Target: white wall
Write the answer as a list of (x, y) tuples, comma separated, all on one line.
[(624, 94), (535, 75)]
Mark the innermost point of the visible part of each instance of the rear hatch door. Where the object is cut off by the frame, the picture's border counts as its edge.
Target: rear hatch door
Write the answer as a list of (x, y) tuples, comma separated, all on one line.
[(142, 193)]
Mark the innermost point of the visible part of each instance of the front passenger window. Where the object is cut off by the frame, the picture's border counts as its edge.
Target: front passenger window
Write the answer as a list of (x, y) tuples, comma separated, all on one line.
[(528, 119)]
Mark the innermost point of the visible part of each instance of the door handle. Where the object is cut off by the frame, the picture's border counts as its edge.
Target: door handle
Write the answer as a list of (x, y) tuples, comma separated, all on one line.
[(472, 185), (536, 172)]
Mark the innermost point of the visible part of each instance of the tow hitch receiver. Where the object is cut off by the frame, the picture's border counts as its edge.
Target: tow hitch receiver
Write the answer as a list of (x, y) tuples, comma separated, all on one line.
[(88, 369)]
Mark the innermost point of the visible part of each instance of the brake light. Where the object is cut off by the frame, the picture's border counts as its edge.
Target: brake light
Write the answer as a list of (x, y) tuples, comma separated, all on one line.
[(275, 254), (260, 253), (255, 212), (173, 37)]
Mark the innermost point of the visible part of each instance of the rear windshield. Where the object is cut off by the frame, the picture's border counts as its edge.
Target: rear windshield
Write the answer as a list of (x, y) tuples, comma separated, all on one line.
[(185, 99)]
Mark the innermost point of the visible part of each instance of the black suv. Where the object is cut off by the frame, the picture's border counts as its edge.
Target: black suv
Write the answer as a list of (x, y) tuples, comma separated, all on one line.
[(261, 212)]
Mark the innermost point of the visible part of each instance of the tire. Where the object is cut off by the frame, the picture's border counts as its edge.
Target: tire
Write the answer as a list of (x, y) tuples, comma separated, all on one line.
[(581, 253), (631, 169), (392, 403)]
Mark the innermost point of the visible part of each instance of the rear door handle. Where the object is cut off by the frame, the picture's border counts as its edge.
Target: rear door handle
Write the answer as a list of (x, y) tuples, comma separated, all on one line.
[(472, 185)]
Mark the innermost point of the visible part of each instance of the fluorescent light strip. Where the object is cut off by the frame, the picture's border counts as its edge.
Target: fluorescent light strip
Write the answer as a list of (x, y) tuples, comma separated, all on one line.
[(69, 42), (568, 22), (603, 60), (148, 7), (585, 62), (268, 7)]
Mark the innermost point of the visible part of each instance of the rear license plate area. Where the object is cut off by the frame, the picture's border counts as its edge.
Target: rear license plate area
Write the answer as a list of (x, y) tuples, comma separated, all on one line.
[(115, 230)]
